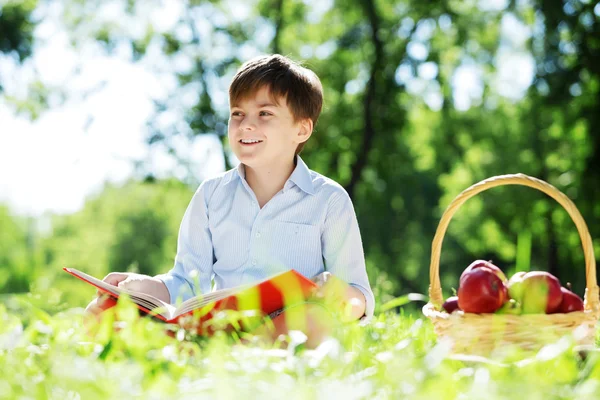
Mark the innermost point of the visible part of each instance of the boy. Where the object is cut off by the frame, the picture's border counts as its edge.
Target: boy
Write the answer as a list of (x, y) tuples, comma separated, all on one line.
[(271, 213)]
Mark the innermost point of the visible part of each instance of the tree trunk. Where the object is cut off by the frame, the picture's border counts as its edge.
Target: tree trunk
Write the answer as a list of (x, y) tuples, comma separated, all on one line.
[(276, 44), (370, 102)]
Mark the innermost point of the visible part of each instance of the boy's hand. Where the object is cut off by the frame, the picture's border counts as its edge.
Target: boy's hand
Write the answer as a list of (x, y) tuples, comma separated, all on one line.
[(139, 283), (330, 288), (100, 304), (341, 296)]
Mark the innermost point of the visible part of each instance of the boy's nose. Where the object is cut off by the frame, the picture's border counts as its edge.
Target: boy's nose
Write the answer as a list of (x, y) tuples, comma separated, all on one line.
[(247, 125)]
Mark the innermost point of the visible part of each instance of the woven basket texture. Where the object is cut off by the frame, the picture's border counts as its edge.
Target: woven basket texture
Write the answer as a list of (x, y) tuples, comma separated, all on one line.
[(485, 334)]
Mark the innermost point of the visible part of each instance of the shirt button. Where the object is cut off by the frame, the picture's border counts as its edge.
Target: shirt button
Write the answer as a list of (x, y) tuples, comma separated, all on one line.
[(257, 234), (253, 262)]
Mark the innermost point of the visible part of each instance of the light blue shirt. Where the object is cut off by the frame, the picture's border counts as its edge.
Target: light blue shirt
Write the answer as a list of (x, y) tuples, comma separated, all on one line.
[(310, 226)]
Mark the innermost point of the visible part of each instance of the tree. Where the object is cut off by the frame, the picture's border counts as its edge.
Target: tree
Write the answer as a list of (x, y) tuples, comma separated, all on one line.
[(132, 227), (16, 28), (16, 254), (393, 130)]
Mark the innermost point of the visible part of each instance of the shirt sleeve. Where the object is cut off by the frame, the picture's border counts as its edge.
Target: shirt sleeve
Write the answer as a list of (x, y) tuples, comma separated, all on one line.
[(342, 247), (192, 273)]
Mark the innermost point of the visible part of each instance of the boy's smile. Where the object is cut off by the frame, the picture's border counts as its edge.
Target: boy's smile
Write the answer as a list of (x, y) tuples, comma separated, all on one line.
[(250, 142)]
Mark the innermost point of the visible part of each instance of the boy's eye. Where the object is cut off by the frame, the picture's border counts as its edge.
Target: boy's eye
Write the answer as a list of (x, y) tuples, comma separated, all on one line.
[(264, 113), (236, 113)]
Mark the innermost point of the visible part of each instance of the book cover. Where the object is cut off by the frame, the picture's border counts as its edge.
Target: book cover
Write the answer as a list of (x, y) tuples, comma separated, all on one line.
[(269, 295)]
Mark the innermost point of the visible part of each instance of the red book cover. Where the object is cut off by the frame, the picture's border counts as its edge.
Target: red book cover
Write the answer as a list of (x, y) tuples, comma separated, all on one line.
[(272, 294)]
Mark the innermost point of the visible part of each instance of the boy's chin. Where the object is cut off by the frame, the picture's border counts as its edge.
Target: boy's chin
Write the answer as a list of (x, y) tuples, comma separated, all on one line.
[(256, 160), (251, 160), (247, 161)]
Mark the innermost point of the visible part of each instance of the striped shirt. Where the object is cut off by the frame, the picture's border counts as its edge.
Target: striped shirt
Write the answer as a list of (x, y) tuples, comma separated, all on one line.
[(310, 226)]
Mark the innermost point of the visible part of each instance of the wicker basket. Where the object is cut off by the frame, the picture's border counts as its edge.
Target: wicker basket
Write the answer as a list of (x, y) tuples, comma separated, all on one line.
[(485, 334)]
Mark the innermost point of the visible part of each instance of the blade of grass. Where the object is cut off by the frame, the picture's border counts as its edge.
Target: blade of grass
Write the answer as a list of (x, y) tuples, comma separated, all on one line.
[(523, 262), (403, 300)]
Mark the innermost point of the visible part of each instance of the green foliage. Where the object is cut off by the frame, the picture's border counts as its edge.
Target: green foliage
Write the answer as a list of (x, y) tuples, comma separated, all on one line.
[(391, 133), (395, 356), (139, 241), (16, 27), (16, 253), (123, 228)]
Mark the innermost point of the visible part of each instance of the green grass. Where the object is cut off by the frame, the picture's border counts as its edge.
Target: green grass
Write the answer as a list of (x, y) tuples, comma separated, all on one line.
[(395, 356)]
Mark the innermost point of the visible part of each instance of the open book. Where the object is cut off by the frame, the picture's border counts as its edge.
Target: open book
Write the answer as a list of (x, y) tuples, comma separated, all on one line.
[(274, 293)]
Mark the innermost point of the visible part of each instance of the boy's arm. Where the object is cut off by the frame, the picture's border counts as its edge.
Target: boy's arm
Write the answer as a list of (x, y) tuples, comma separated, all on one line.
[(344, 256), (193, 267)]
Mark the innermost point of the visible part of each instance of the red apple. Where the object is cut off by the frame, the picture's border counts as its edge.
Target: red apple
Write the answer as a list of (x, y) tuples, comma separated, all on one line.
[(481, 263), (538, 292), (451, 304), (570, 302), (481, 290)]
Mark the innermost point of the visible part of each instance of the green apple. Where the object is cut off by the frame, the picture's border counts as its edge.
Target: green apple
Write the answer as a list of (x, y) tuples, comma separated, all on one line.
[(510, 307), (538, 292), (515, 286)]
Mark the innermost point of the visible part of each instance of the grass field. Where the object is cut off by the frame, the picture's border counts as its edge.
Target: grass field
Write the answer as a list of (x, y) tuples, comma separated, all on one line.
[(49, 355)]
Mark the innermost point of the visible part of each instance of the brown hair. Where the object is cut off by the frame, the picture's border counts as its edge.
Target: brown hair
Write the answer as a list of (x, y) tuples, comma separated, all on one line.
[(298, 86)]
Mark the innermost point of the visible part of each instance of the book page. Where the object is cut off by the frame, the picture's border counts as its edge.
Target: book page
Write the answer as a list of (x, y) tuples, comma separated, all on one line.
[(169, 312), (145, 300), (201, 301)]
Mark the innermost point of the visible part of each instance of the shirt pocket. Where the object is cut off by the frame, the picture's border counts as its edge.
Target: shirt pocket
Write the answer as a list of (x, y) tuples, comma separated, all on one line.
[(297, 246)]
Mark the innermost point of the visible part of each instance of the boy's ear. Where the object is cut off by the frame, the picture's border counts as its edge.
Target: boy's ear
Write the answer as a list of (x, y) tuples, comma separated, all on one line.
[(306, 129)]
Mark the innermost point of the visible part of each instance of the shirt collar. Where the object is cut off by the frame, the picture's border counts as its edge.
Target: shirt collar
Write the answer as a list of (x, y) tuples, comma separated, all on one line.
[(240, 171), (232, 174), (300, 176)]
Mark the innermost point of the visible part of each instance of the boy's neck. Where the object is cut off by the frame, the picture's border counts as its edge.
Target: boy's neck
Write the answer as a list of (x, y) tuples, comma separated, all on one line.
[(266, 181)]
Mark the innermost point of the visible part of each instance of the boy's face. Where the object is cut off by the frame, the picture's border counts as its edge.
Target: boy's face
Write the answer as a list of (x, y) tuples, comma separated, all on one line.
[(263, 133)]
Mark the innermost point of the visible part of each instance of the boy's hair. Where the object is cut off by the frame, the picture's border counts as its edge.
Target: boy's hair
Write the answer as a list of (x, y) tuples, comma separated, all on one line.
[(298, 86)]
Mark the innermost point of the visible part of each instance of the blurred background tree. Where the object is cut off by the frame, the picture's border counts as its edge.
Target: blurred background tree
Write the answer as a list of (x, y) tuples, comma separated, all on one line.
[(16, 28), (422, 99)]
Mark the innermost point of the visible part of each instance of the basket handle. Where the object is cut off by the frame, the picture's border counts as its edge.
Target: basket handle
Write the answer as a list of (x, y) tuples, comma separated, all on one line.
[(591, 292)]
